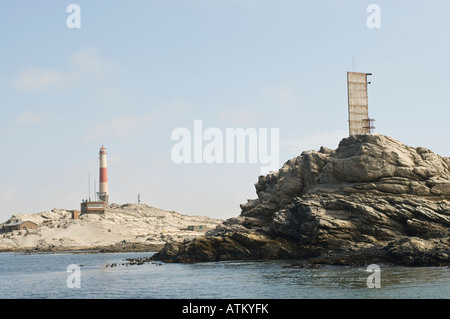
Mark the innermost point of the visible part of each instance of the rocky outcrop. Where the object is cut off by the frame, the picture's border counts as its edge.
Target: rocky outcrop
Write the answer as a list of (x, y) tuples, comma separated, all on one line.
[(373, 199)]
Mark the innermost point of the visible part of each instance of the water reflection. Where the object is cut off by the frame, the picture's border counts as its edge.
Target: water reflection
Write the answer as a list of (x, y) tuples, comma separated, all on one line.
[(44, 276)]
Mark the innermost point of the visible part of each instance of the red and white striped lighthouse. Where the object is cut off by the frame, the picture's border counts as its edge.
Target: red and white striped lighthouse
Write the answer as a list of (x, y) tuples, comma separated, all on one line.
[(103, 194)]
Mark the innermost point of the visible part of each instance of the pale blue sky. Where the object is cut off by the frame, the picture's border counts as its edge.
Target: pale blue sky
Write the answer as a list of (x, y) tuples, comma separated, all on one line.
[(136, 70)]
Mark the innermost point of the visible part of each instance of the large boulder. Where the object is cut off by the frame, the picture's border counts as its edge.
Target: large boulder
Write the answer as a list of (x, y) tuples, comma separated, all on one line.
[(371, 199)]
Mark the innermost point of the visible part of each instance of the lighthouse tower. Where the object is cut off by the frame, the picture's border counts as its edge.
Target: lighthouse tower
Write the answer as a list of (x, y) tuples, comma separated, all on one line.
[(103, 194)]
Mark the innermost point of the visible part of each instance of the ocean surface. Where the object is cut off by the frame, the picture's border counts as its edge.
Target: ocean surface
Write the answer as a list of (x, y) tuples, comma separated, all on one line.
[(88, 276)]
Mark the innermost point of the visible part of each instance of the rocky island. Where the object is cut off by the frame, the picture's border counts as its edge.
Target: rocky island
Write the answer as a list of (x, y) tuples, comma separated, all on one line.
[(122, 228), (372, 200)]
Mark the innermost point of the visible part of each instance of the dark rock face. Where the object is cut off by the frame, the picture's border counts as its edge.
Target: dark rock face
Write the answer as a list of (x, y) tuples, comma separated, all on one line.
[(373, 199)]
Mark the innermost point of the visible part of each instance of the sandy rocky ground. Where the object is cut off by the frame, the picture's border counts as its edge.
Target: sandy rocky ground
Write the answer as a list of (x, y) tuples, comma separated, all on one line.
[(129, 227)]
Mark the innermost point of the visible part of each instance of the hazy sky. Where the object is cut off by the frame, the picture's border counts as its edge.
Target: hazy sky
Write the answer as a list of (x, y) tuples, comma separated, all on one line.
[(136, 70)]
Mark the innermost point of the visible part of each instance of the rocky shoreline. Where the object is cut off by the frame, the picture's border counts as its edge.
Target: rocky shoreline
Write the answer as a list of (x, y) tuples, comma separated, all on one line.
[(372, 200), (114, 248), (122, 228)]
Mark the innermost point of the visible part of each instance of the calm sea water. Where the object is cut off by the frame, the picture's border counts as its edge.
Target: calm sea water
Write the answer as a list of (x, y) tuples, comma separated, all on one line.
[(45, 276)]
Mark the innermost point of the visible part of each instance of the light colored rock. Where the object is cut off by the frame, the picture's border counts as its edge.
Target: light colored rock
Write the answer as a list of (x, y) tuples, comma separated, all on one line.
[(129, 223)]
